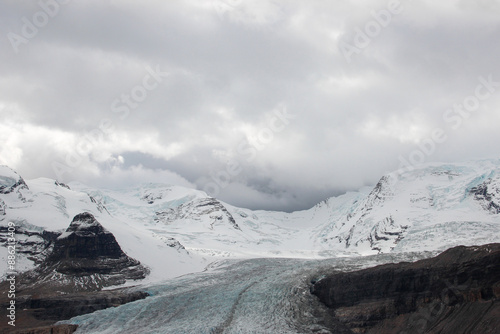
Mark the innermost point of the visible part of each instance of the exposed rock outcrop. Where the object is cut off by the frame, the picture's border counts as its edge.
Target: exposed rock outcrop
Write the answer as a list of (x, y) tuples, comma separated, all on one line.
[(60, 184), (35, 243), (488, 195), (83, 260), (86, 257), (59, 307), (56, 329), (12, 183), (2, 207), (455, 292), (196, 209), (38, 314), (85, 239)]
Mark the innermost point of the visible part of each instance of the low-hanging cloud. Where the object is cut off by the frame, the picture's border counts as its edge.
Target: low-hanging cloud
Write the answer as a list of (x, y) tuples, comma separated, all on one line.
[(79, 98)]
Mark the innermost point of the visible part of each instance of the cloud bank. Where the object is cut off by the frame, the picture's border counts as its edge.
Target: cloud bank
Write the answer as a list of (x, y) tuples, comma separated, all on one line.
[(265, 104)]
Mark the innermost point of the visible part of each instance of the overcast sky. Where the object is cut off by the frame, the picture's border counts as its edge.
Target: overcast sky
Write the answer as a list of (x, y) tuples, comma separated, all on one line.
[(269, 104)]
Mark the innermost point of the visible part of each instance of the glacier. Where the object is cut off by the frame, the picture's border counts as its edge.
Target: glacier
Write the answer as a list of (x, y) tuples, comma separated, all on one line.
[(267, 295), (176, 230), (214, 267)]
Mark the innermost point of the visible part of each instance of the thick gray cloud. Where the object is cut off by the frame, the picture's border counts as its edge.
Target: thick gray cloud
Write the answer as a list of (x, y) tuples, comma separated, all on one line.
[(266, 104)]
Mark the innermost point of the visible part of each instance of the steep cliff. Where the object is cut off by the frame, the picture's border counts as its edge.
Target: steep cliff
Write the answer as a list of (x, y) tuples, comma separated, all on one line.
[(455, 292), (86, 257)]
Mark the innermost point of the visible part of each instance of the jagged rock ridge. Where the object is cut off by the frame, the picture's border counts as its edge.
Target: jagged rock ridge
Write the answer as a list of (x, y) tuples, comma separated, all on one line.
[(196, 209), (433, 207)]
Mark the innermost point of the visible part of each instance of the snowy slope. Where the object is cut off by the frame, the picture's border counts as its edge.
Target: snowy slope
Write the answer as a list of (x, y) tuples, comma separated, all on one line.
[(431, 208), (175, 230), (42, 209)]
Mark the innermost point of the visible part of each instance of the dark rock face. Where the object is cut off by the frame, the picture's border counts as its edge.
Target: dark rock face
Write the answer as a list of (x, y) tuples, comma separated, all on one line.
[(86, 257), (60, 184), (37, 314), (35, 244), (85, 238), (83, 260), (488, 195), (57, 329), (455, 292), (65, 307)]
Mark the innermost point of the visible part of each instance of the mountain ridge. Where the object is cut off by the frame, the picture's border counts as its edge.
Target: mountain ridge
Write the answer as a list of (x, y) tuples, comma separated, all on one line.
[(431, 208)]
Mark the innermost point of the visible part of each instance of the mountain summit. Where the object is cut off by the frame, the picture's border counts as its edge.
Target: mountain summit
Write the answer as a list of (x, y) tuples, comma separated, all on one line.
[(86, 257), (176, 230), (86, 248)]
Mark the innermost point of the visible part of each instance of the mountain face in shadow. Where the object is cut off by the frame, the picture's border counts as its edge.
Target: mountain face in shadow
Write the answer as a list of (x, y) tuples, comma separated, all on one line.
[(86, 257), (455, 292)]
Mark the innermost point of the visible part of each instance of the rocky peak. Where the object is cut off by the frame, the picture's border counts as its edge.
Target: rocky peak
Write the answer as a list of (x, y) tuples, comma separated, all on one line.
[(85, 224), (85, 257), (86, 238)]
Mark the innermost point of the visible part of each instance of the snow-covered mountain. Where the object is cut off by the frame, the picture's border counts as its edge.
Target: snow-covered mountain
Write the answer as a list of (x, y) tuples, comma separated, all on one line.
[(42, 210), (174, 230)]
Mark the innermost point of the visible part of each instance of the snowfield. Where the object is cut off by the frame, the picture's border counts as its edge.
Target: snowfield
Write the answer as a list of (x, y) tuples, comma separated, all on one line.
[(216, 268), (175, 230)]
